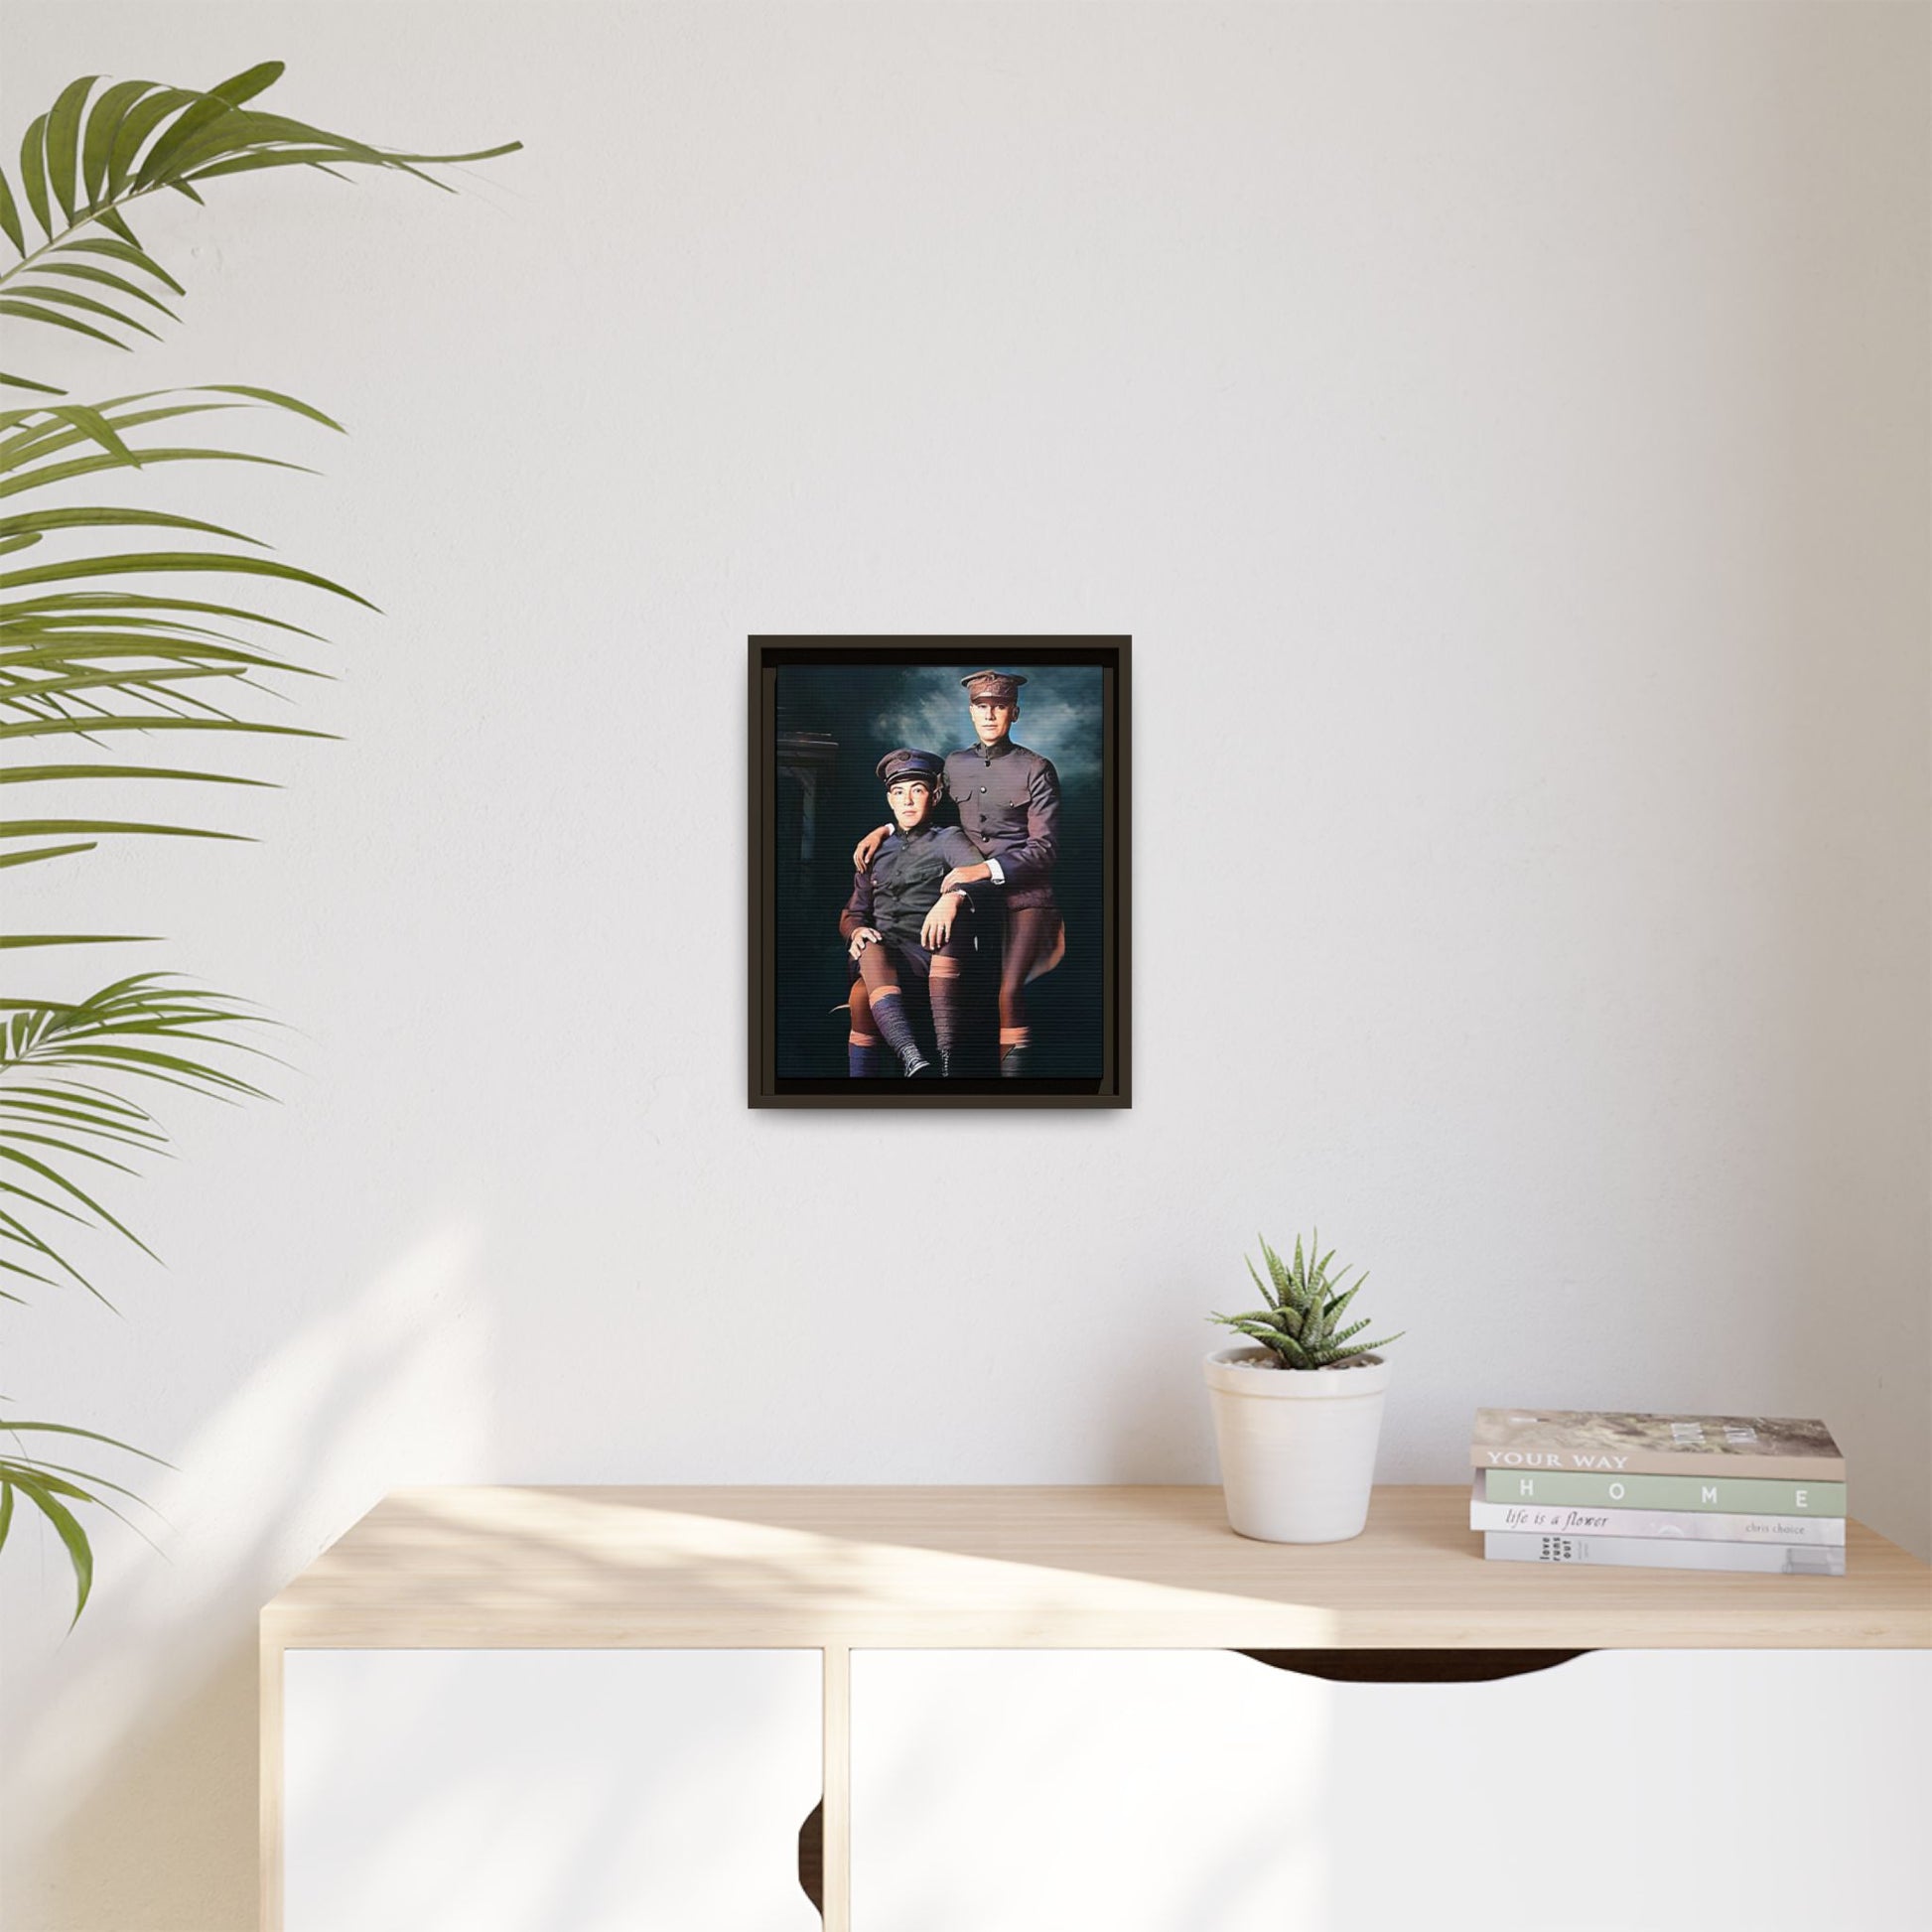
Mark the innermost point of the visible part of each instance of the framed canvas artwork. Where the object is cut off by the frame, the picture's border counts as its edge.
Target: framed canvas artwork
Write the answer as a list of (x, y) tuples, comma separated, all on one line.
[(940, 872)]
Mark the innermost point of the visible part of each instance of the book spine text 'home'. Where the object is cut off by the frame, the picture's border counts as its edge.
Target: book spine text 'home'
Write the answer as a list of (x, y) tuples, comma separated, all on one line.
[(1739, 1495)]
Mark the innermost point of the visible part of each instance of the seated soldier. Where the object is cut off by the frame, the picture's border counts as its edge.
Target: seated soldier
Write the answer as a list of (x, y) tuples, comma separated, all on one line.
[(899, 924)]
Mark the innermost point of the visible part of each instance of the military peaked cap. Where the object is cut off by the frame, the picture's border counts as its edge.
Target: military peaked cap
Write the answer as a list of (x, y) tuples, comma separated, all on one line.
[(1003, 687), (903, 763)]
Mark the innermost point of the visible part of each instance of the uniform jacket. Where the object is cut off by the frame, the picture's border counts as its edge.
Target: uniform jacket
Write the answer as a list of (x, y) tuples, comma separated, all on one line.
[(902, 885), (1008, 803)]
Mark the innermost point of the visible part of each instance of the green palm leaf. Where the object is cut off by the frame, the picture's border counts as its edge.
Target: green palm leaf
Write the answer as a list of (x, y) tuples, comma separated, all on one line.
[(68, 773), (31, 312), (144, 1026), (98, 828), (9, 1425), (25, 941), (83, 657), (106, 278), (122, 251), (33, 174), (23, 292), (95, 643), (103, 120), (41, 522), (63, 142), (38, 1489), (40, 853), (10, 222), (81, 165), (156, 562), (52, 1487)]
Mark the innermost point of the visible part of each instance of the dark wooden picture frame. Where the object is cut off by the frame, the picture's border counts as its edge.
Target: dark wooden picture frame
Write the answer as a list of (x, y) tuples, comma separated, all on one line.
[(793, 770)]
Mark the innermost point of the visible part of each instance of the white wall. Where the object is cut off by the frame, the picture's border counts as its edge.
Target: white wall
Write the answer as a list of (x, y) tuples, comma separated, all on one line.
[(1502, 431)]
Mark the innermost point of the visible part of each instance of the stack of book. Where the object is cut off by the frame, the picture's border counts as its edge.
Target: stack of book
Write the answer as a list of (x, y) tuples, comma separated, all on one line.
[(1661, 1492)]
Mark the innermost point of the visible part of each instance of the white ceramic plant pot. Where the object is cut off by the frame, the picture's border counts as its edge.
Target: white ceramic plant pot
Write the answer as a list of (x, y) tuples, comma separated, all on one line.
[(1298, 1445)]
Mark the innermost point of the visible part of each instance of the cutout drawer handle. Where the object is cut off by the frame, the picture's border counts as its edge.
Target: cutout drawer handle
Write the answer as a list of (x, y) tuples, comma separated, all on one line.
[(1413, 1666), (811, 1856)]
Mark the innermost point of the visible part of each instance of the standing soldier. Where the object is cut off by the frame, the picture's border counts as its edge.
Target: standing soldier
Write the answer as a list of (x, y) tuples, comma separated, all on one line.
[(908, 916), (1008, 804)]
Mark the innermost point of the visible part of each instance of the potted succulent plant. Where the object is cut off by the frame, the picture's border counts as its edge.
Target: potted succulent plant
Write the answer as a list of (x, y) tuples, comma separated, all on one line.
[(1297, 1416)]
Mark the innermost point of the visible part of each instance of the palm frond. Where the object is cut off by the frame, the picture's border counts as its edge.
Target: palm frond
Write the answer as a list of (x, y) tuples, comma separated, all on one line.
[(53, 1487), (53, 1113), (94, 154), (97, 646)]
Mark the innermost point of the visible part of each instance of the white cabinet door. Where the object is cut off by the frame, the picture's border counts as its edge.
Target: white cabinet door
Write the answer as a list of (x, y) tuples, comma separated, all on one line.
[(1200, 1791), (545, 1790)]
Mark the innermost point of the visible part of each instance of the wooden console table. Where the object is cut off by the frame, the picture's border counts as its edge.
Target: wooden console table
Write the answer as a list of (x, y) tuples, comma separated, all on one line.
[(838, 1571)]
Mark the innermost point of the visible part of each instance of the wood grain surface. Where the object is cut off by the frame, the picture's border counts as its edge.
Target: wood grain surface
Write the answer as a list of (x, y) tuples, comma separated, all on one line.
[(849, 1567)]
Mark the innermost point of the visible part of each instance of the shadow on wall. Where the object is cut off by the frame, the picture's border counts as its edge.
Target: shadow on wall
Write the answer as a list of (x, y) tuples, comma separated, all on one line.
[(134, 1808)]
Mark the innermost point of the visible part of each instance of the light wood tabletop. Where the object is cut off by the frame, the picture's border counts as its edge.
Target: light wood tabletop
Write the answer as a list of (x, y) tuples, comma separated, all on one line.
[(1046, 1567)]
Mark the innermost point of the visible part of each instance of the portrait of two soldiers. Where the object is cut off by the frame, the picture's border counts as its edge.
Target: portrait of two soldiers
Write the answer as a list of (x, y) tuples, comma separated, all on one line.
[(952, 910)]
